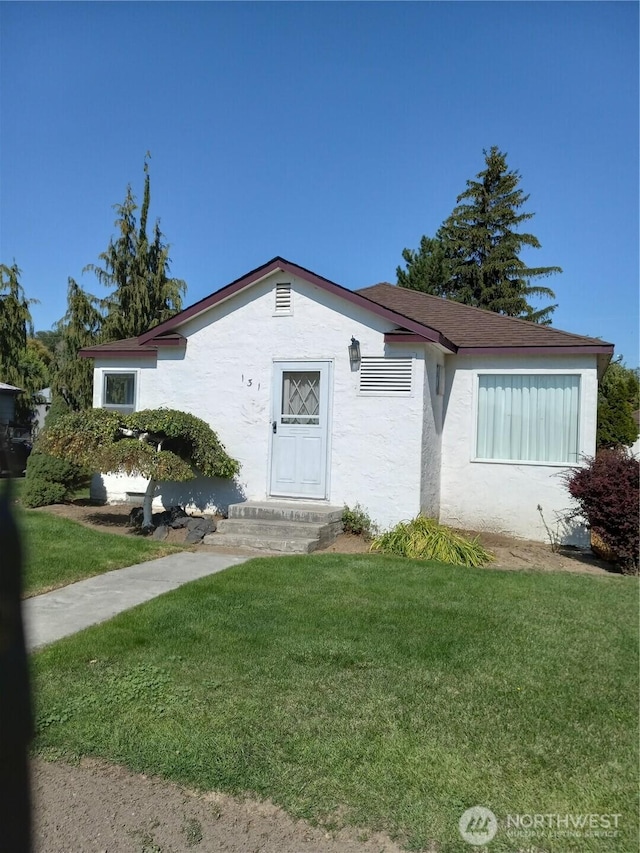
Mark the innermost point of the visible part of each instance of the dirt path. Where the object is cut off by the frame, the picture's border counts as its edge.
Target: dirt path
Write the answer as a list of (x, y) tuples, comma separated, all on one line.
[(98, 808)]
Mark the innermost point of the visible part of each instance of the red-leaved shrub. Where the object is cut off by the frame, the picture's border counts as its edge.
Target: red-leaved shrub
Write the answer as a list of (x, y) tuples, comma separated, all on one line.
[(607, 493)]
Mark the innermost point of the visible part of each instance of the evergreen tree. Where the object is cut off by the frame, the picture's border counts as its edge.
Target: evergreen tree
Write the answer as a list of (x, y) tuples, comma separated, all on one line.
[(481, 248), (137, 270), (72, 378), (427, 269), (15, 326), (36, 365), (50, 338), (617, 401)]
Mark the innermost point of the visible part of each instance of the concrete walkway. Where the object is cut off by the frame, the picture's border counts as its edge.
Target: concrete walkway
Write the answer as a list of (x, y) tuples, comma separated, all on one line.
[(62, 612)]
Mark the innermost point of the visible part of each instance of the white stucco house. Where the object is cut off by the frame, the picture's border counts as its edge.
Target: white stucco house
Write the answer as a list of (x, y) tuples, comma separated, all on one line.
[(387, 397)]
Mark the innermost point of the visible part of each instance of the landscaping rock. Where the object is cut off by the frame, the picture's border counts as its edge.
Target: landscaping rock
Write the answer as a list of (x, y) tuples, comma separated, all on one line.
[(194, 536), (174, 516), (198, 528), (135, 517), (161, 532)]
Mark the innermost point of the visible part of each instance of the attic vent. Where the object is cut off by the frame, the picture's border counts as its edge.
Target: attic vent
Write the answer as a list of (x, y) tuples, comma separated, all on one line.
[(283, 299), (386, 376)]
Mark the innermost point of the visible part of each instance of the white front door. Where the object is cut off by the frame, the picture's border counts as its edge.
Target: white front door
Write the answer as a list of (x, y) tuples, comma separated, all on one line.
[(299, 427)]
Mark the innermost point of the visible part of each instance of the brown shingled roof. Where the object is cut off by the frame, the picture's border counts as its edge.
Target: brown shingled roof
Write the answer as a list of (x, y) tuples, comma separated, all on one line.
[(468, 327), (410, 314), (133, 346)]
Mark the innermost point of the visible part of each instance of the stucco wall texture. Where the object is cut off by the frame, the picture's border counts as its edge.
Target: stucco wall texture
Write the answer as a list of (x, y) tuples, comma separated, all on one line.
[(503, 497), (394, 455), (225, 377)]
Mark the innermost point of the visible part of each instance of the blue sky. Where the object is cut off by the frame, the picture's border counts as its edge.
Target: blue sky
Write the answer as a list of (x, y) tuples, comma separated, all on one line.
[(333, 134)]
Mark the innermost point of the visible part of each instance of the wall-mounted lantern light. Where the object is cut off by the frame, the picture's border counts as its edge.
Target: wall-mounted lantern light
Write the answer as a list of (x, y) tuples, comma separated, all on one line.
[(354, 354)]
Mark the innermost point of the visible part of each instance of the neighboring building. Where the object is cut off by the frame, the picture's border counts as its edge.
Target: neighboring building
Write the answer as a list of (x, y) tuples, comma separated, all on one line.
[(386, 397), (14, 448), (43, 396), (8, 394)]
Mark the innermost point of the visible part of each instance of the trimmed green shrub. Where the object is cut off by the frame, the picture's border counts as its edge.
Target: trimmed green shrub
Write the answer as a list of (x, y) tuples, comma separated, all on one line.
[(357, 521), (426, 539), (111, 442), (43, 493), (57, 409), (50, 480), (607, 493)]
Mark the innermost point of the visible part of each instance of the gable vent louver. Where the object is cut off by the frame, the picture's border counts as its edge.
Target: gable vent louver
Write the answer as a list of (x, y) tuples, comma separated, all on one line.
[(283, 299), (386, 376)]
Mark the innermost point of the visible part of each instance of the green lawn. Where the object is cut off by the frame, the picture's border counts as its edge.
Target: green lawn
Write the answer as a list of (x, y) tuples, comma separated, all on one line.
[(59, 551), (373, 690)]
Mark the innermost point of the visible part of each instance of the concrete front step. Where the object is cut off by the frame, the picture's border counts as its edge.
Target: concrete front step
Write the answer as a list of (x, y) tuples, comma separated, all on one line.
[(280, 526), (262, 543), (279, 529), (287, 511)]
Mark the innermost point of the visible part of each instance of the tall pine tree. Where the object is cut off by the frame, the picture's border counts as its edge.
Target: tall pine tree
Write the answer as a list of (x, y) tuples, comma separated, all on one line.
[(427, 268), (143, 295), (15, 326), (72, 378), (481, 247)]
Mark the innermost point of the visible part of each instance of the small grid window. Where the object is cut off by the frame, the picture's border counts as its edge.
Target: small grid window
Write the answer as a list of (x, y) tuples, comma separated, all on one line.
[(119, 392), (386, 376)]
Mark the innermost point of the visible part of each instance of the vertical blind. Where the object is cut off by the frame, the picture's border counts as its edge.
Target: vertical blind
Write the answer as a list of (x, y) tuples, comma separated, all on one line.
[(531, 418)]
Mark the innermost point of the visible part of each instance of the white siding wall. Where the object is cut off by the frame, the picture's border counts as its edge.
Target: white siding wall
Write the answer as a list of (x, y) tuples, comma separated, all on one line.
[(225, 377), (503, 497)]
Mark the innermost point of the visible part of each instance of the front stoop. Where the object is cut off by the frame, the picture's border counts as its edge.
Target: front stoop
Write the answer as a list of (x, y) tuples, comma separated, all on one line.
[(293, 528)]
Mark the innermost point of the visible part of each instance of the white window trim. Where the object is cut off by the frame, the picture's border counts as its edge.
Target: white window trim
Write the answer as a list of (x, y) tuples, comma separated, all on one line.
[(533, 371), (110, 407)]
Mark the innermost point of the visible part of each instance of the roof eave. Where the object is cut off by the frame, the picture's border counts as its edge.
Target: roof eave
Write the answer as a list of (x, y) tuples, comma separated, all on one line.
[(114, 352), (570, 349), (278, 263), (400, 337), (215, 298), (175, 341)]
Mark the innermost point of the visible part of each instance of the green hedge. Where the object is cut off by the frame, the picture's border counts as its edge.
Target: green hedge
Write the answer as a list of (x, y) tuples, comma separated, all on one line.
[(50, 480)]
